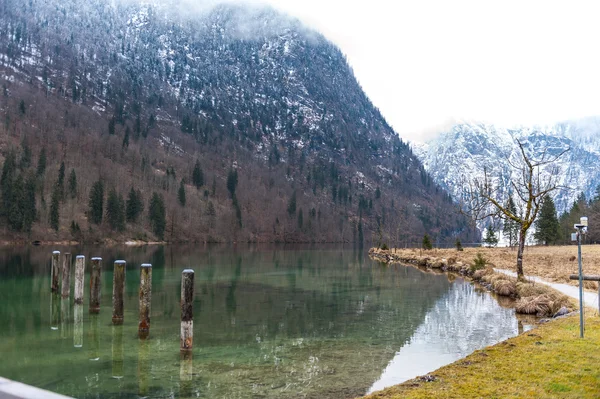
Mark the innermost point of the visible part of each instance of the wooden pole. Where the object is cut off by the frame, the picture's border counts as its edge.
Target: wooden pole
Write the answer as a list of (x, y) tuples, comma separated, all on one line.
[(118, 291), (55, 272), (79, 278), (145, 300), (95, 285), (187, 314), (66, 275)]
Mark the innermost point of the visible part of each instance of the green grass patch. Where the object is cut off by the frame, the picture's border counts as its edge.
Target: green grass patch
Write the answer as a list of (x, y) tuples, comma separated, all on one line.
[(550, 361)]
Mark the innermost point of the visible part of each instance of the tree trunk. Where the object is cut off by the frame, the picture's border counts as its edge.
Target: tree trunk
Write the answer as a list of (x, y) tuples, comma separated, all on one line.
[(521, 248)]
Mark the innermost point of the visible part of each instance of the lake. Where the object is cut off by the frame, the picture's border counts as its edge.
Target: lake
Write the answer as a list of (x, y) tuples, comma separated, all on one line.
[(269, 322)]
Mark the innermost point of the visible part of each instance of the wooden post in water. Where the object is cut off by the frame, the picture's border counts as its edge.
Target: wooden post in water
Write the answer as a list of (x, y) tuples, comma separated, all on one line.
[(79, 278), (66, 275), (187, 314), (118, 291), (145, 300), (55, 273), (95, 285)]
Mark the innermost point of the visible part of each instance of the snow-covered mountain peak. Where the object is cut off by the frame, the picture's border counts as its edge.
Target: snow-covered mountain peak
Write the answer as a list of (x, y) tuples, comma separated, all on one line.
[(466, 149)]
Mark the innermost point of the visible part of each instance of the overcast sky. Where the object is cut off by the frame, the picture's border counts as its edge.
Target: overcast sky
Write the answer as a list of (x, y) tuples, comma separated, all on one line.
[(427, 64)]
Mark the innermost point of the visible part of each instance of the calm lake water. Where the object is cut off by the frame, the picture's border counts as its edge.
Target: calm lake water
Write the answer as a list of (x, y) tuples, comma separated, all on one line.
[(269, 322)]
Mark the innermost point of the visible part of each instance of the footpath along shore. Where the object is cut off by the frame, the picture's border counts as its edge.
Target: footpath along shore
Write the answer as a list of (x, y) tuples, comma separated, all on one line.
[(548, 362)]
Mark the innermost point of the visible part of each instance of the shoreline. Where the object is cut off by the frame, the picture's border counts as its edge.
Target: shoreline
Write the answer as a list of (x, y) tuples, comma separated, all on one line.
[(478, 374), (547, 362), (531, 298)]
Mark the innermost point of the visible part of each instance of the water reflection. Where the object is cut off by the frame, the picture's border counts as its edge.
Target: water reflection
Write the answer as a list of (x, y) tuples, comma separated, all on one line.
[(78, 326), (270, 322), (462, 321), (143, 367), (54, 311), (117, 351), (94, 338), (185, 374), (65, 317)]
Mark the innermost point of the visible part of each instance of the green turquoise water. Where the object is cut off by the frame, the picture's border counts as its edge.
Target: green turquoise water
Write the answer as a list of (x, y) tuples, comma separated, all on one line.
[(269, 322)]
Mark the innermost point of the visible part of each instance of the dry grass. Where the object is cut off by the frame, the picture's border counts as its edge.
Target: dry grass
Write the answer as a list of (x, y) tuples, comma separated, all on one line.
[(548, 362), (551, 263)]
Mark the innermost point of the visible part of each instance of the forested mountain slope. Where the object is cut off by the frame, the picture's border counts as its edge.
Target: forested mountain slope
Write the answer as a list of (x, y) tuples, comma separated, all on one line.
[(231, 124)]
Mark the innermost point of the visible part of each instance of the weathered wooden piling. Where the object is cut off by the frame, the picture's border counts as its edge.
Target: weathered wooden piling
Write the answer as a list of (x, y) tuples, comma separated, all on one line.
[(78, 325), (145, 300), (95, 285), (66, 275), (55, 272), (117, 352), (79, 278), (118, 291), (187, 314)]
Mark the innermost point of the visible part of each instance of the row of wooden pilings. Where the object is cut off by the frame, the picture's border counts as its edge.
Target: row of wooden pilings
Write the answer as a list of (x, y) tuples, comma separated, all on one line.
[(63, 286)]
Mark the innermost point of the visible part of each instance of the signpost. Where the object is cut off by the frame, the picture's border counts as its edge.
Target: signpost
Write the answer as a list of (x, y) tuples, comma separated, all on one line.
[(581, 229)]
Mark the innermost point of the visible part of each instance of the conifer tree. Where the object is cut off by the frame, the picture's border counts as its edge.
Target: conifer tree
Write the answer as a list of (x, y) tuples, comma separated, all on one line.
[(181, 193), (29, 209), (427, 242), (300, 219), (232, 181), (41, 164), (73, 184), (25, 156), (134, 206), (490, 237), (111, 126), (157, 214), (125, 143), (60, 182), (15, 210), (6, 182), (96, 203), (115, 212), (54, 209), (547, 228), (198, 175), (292, 204)]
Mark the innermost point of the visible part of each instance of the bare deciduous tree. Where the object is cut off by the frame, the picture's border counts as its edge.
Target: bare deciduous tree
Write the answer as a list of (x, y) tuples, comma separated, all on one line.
[(537, 177)]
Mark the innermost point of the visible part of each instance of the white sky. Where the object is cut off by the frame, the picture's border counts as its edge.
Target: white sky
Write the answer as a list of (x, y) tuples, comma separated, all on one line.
[(427, 64)]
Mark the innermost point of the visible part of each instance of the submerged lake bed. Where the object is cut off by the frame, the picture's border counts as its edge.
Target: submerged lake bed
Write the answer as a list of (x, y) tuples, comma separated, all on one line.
[(269, 321)]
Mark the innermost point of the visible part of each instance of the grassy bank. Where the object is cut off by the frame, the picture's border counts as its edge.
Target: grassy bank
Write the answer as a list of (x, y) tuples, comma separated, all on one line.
[(547, 362), (553, 263)]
